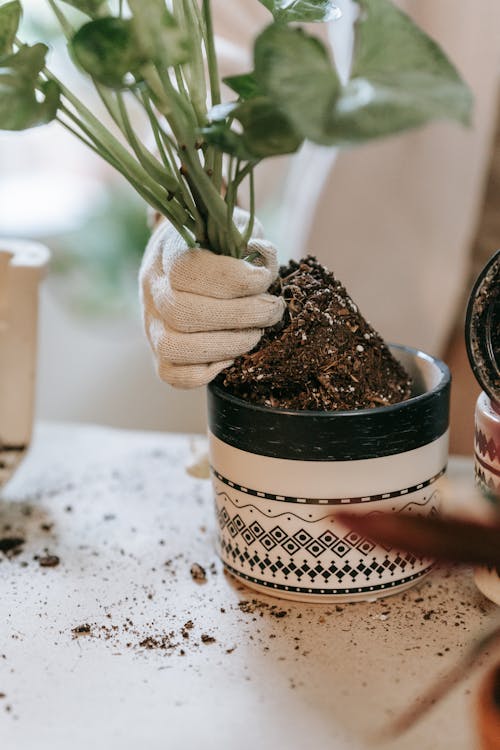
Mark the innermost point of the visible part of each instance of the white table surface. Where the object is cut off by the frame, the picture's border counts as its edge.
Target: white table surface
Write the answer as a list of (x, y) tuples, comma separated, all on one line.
[(127, 523)]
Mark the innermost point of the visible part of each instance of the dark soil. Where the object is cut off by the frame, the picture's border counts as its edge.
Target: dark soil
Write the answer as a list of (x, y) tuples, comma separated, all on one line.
[(323, 355), (81, 630), (198, 573), (49, 561), (11, 546)]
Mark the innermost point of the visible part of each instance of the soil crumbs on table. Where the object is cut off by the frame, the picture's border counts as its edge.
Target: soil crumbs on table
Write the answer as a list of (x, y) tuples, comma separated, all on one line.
[(323, 355)]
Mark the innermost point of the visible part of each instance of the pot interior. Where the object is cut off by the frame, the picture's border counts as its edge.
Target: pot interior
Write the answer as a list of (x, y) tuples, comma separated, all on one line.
[(425, 372)]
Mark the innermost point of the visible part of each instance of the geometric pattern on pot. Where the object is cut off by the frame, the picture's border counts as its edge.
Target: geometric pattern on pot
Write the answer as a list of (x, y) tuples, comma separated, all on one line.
[(311, 553), (329, 501), (487, 448), (488, 483)]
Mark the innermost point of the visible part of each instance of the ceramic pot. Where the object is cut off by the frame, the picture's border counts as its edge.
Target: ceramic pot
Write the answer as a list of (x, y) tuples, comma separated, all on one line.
[(22, 267), (487, 447), (280, 475), (488, 711)]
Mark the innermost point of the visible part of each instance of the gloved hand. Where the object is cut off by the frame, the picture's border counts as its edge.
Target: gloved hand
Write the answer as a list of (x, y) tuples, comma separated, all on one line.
[(201, 310)]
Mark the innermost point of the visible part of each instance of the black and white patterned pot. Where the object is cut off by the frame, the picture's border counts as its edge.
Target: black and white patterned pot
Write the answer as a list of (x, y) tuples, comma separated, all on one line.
[(280, 475)]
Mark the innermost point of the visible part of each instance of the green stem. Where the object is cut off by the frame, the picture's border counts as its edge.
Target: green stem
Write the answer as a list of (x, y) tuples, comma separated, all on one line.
[(63, 22), (168, 158), (110, 105), (196, 68), (158, 134), (249, 230), (152, 166), (113, 152), (245, 172), (143, 191), (213, 73), (213, 69)]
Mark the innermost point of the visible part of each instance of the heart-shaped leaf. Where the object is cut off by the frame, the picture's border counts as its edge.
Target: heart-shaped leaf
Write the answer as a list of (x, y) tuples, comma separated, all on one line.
[(10, 17), (400, 79), (159, 37), (244, 85), (226, 140), (89, 7), (294, 70), (266, 130), (302, 11), (107, 50), (19, 82)]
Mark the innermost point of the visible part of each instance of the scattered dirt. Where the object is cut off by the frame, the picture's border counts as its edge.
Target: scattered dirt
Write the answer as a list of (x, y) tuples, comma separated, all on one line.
[(323, 355), (253, 606), (207, 639), (198, 573), (162, 642), (11, 546), (49, 561), (81, 630)]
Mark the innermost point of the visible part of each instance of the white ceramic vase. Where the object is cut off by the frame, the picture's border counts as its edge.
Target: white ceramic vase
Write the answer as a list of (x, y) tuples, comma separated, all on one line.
[(22, 267)]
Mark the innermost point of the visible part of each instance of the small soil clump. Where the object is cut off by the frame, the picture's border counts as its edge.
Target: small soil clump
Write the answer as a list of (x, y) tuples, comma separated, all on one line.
[(81, 630), (11, 546), (323, 355), (49, 561), (198, 573), (207, 639)]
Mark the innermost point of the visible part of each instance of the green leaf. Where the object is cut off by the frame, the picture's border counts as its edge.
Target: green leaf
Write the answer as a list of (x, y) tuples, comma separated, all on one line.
[(19, 82), (302, 11), (158, 35), (400, 79), (244, 85), (89, 7), (106, 49), (26, 64), (10, 17), (294, 70), (266, 130), (226, 140)]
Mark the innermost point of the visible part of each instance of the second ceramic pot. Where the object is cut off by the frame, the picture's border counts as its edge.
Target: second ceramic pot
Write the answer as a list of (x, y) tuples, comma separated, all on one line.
[(280, 475)]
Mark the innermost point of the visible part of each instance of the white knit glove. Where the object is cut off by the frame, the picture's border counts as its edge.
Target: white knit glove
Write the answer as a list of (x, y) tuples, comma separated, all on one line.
[(201, 310)]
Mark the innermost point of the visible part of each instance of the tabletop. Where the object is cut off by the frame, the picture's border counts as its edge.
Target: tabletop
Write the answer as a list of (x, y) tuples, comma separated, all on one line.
[(120, 630)]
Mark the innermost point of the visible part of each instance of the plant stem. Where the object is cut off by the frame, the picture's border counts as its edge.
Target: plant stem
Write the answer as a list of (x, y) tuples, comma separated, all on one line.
[(145, 158), (213, 73), (251, 222), (143, 191), (63, 22), (213, 70), (187, 189), (113, 152)]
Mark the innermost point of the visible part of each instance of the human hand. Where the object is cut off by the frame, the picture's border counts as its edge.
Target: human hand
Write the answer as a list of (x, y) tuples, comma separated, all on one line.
[(201, 310)]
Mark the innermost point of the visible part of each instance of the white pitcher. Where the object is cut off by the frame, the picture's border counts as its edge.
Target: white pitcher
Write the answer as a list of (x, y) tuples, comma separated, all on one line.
[(22, 267)]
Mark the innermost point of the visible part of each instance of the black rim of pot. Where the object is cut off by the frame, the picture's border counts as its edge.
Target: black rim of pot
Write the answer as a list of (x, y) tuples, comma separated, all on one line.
[(333, 436)]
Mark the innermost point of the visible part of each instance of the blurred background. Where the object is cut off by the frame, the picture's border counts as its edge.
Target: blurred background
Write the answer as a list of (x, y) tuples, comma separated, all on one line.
[(419, 213)]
